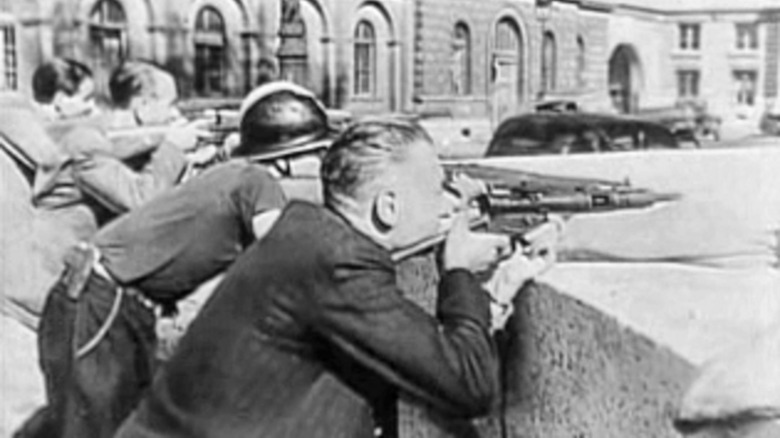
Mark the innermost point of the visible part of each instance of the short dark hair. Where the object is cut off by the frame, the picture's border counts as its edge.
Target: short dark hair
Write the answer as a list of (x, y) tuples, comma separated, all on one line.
[(133, 79), (59, 74), (363, 152)]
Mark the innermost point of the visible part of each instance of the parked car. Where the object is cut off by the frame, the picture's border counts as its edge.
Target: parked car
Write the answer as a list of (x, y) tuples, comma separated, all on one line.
[(707, 124), (770, 123), (568, 133), (688, 121)]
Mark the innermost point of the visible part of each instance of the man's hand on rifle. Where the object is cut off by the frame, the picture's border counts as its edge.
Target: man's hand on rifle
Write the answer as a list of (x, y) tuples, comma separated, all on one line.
[(188, 135), (535, 254), (203, 155), (460, 193), (466, 190), (476, 252)]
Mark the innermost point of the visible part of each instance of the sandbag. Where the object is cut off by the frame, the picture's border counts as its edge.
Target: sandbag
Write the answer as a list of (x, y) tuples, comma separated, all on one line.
[(33, 241)]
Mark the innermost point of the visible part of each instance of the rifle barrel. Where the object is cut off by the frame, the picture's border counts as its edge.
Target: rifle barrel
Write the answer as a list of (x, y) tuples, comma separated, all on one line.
[(578, 202)]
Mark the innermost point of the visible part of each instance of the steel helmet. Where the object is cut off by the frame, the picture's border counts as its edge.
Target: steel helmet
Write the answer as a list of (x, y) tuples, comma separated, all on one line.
[(280, 119)]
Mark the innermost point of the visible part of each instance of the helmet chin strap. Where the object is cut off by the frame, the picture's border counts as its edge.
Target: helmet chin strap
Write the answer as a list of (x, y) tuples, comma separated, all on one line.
[(283, 167)]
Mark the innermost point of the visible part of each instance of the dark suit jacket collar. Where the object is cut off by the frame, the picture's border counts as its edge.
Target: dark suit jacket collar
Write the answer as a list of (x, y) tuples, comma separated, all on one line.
[(334, 227)]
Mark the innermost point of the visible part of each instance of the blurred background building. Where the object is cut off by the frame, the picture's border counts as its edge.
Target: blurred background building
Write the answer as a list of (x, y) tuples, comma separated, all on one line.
[(455, 57)]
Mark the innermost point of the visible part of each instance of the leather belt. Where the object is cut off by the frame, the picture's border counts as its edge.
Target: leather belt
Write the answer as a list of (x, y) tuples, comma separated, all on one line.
[(99, 269), (77, 282)]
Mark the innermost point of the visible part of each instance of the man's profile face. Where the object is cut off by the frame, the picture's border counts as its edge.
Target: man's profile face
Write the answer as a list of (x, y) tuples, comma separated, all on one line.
[(420, 195), (156, 106)]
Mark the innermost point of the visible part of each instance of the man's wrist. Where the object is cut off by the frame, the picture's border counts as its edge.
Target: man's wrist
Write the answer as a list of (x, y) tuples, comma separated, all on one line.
[(500, 312), (503, 307)]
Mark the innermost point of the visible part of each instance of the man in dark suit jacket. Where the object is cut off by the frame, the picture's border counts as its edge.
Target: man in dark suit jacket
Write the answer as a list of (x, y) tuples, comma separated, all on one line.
[(309, 336)]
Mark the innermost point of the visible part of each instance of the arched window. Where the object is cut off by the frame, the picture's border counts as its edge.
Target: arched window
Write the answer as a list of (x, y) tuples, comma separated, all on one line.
[(365, 59), (506, 36), (549, 55), (582, 63), (210, 45), (108, 31), (507, 72), (460, 69), (9, 75)]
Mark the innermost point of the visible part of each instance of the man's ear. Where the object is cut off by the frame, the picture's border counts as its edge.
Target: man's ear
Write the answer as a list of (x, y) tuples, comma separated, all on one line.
[(386, 210)]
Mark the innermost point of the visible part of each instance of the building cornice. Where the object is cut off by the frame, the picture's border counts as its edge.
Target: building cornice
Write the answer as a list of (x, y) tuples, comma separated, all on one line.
[(591, 5), (699, 11), (35, 21)]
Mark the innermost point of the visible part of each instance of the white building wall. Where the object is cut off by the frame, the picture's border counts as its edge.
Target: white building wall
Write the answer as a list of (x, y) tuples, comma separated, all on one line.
[(651, 37)]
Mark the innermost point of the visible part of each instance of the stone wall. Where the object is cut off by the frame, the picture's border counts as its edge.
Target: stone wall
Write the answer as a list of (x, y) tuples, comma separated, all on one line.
[(568, 371)]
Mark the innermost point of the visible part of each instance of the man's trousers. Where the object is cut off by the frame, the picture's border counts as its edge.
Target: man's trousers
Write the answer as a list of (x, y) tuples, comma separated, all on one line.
[(97, 349)]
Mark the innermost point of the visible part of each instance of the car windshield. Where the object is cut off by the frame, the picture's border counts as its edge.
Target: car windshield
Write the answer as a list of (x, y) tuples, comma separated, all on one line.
[(538, 134)]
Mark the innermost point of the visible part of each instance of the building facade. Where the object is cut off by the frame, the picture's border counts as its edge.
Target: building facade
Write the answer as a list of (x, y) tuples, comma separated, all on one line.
[(500, 57), (720, 53), (459, 56), (451, 57)]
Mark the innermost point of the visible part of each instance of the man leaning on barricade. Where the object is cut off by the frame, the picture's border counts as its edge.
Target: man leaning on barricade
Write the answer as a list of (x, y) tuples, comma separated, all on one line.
[(98, 344), (308, 334)]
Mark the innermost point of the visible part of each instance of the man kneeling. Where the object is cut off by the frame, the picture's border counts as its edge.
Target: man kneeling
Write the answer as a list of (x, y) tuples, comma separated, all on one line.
[(308, 334)]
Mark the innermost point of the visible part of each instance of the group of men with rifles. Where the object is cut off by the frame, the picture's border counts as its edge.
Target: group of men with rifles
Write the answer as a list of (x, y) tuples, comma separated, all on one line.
[(306, 333)]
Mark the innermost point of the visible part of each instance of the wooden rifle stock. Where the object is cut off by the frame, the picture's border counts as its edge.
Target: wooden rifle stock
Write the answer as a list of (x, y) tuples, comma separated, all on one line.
[(432, 241)]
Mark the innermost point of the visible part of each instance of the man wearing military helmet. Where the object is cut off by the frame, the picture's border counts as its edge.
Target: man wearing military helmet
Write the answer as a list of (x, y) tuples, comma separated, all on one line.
[(97, 332), (309, 336)]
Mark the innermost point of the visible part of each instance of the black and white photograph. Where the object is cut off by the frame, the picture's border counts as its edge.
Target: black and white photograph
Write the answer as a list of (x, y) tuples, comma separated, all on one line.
[(389, 219)]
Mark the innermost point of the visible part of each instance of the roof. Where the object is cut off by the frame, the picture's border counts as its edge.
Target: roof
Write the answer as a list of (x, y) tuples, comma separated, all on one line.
[(533, 133), (678, 6)]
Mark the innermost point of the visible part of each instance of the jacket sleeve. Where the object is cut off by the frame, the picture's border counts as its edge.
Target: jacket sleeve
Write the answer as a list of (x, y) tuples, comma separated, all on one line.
[(448, 361), (118, 187), (128, 147)]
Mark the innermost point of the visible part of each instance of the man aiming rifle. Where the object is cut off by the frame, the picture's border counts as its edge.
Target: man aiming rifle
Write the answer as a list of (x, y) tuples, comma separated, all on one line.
[(308, 334)]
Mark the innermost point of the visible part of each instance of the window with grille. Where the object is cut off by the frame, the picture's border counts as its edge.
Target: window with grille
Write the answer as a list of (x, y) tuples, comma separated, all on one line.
[(365, 59), (745, 82), (688, 83), (461, 60), (690, 35), (9, 78), (549, 62), (108, 31), (747, 36), (210, 49)]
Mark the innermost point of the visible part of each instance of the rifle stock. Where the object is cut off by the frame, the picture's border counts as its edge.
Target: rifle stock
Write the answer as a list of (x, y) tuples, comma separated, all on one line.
[(432, 241)]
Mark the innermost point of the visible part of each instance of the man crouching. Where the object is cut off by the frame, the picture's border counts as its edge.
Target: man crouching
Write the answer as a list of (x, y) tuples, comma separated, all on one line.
[(308, 334)]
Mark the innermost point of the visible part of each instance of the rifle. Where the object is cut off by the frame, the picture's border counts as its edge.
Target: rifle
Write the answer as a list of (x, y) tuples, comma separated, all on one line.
[(518, 202)]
